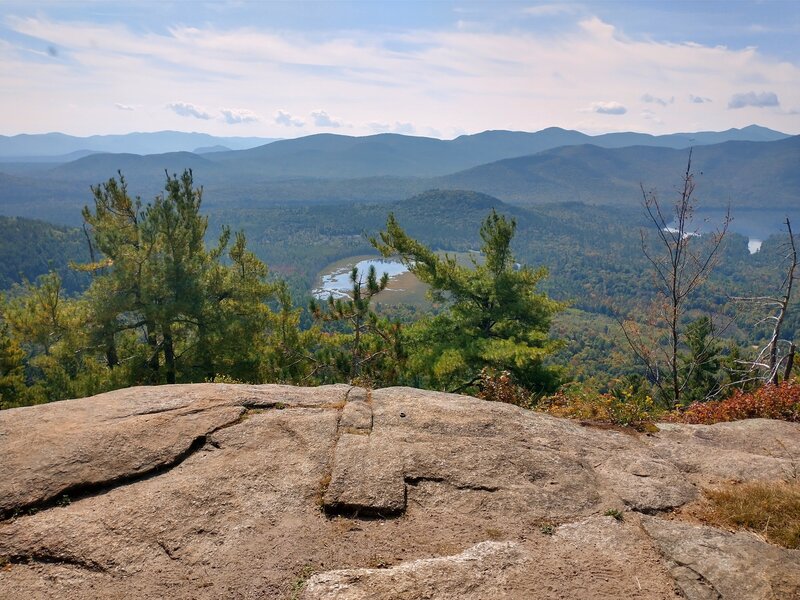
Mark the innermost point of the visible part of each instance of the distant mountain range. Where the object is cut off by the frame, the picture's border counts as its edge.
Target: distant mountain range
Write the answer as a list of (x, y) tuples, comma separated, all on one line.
[(752, 167), (753, 174), (388, 154), (59, 147), (324, 155)]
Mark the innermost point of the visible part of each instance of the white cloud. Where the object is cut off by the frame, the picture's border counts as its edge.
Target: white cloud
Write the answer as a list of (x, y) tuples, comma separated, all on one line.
[(760, 100), (186, 109), (286, 119), (232, 116), (451, 80), (698, 99), (650, 99), (609, 108), (375, 127), (433, 132), (651, 116), (124, 106), (323, 119), (405, 128)]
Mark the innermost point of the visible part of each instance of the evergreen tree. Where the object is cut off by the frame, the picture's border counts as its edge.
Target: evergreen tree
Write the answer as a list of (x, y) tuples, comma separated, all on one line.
[(50, 328), (495, 316), (192, 318), (701, 368), (371, 352), (12, 370), (287, 355)]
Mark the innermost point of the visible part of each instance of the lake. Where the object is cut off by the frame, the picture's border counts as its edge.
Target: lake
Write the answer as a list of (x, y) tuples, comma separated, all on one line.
[(755, 224), (337, 282)]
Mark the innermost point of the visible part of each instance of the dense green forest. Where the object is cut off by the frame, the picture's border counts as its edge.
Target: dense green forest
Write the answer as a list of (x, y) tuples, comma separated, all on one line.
[(167, 291), (31, 248)]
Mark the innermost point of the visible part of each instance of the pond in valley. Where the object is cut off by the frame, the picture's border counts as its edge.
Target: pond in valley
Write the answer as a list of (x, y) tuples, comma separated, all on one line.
[(336, 282)]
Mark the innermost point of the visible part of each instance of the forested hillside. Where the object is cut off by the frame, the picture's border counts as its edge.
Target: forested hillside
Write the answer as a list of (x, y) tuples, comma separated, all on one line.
[(174, 299), (31, 248), (539, 269)]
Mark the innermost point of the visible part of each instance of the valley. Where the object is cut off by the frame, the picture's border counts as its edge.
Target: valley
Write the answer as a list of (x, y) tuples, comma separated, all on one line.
[(577, 210)]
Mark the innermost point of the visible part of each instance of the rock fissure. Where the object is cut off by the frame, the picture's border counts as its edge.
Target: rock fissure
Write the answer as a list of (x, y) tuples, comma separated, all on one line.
[(79, 491), (54, 559), (416, 480), (167, 550), (696, 578), (326, 479)]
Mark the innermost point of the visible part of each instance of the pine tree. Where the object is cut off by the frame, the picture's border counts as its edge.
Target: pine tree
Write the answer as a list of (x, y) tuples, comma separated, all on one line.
[(495, 318), (12, 369), (190, 316), (701, 367), (370, 350)]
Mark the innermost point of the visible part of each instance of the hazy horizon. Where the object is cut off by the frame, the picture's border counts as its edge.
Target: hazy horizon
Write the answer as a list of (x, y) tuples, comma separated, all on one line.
[(244, 136)]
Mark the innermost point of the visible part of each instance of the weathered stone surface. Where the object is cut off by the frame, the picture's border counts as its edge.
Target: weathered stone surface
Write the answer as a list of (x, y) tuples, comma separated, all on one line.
[(647, 484), (237, 491), (709, 563), (604, 533), (367, 478), (477, 573), (52, 449), (547, 568), (356, 418), (741, 450)]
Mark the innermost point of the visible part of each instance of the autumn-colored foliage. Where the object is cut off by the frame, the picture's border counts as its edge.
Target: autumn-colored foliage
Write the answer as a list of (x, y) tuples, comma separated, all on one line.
[(500, 387), (780, 401), (623, 406)]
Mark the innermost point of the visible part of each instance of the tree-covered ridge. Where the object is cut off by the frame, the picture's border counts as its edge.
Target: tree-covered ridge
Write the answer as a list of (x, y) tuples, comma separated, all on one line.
[(380, 169), (164, 307), (173, 298), (30, 248)]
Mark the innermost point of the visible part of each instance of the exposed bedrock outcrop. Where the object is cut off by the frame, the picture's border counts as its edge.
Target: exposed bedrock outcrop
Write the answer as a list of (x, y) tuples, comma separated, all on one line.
[(237, 491)]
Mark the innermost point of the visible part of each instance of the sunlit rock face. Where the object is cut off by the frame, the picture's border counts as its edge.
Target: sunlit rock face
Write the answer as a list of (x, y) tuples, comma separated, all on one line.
[(238, 491)]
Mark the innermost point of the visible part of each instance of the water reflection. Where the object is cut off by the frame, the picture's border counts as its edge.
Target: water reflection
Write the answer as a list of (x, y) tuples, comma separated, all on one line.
[(337, 283)]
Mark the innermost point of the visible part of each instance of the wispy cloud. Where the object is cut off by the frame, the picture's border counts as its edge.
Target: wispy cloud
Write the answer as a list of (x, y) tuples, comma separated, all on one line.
[(186, 109), (124, 106), (609, 108), (323, 119), (233, 116), (404, 128), (450, 80), (549, 10), (650, 99), (286, 119), (760, 100), (651, 116)]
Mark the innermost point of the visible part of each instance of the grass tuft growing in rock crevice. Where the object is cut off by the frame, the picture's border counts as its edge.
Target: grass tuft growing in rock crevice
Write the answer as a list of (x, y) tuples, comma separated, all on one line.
[(768, 508)]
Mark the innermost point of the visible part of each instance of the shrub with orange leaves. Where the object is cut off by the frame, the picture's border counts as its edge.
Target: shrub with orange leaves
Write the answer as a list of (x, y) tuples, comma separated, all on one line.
[(500, 387), (780, 401)]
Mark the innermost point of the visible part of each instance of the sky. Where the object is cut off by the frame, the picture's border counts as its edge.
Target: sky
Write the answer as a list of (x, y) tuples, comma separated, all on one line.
[(439, 69)]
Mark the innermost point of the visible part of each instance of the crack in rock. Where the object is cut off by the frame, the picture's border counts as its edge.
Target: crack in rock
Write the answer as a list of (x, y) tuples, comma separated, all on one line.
[(53, 559), (78, 491)]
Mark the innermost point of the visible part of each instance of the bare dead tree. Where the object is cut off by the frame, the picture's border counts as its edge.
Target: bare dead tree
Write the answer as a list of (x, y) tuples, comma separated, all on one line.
[(681, 264), (769, 359)]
